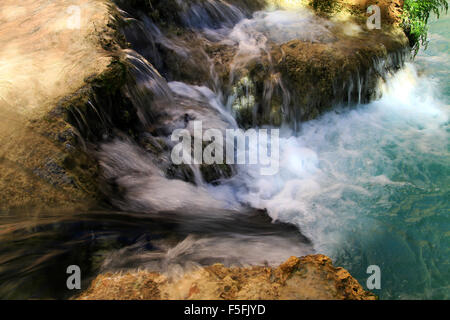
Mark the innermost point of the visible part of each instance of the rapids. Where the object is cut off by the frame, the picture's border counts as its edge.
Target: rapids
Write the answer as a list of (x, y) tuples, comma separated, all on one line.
[(366, 184)]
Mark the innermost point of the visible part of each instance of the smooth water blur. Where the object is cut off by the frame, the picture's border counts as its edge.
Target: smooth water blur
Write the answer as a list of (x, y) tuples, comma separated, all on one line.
[(38, 247), (366, 186)]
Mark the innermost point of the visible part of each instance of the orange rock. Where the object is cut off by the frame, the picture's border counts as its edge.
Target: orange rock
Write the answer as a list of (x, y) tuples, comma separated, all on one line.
[(310, 277)]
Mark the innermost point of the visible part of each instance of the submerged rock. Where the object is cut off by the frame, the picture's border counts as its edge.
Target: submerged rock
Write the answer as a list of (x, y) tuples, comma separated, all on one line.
[(307, 278)]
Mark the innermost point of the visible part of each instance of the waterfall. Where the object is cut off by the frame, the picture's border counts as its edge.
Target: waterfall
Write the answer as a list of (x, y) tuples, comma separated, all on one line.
[(363, 144), (341, 174), (161, 101), (363, 158)]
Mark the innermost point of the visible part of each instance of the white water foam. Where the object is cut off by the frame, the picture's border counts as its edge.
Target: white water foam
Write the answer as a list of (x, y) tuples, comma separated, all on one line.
[(342, 165)]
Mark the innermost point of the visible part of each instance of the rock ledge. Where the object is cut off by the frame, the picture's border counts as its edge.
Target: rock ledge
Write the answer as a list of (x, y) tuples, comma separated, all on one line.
[(307, 278)]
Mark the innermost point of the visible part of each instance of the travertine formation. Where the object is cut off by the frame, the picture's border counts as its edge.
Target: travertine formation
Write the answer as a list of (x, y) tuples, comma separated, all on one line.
[(312, 277), (49, 50)]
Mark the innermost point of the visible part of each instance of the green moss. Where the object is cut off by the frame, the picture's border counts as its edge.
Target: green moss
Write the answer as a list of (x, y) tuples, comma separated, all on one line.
[(325, 7), (112, 79), (94, 110)]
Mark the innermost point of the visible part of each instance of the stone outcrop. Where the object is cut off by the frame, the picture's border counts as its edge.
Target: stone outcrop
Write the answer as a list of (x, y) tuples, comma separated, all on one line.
[(299, 79), (292, 80), (44, 61), (61, 96), (71, 91), (306, 278)]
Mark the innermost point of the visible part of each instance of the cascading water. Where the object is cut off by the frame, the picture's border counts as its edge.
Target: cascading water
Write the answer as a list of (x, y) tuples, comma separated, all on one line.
[(359, 183), (366, 185), (369, 187)]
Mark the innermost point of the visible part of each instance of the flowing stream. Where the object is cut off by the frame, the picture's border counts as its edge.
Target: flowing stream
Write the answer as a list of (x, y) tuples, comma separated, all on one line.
[(367, 185)]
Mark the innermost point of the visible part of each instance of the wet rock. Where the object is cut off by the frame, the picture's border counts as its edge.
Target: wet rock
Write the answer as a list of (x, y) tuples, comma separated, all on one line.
[(299, 79), (54, 174), (292, 80), (36, 140), (216, 172)]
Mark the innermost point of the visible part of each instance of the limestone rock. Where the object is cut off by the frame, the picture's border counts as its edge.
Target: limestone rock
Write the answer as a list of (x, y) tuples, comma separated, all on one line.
[(43, 61), (307, 278)]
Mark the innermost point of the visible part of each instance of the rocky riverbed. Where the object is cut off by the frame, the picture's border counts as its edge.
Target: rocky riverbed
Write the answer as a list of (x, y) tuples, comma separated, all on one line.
[(88, 121)]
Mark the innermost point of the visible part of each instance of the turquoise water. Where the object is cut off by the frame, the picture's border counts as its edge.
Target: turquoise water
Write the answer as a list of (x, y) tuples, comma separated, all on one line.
[(412, 237), (370, 186), (410, 234), (435, 60), (367, 185)]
